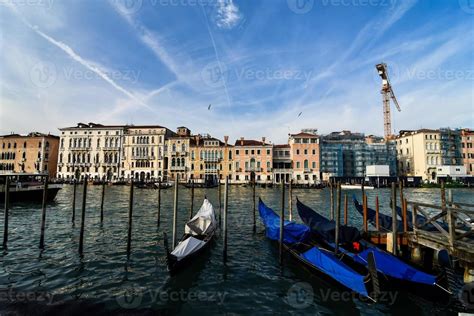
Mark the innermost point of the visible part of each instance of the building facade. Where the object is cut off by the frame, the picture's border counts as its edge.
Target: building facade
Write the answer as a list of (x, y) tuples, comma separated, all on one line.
[(253, 160), (305, 157), (33, 153), (282, 169), (467, 145), (177, 149)]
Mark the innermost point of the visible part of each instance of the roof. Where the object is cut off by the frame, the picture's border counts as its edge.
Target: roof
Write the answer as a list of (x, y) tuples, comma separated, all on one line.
[(101, 126), (302, 134), (282, 146), (402, 133), (30, 135), (250, 142)]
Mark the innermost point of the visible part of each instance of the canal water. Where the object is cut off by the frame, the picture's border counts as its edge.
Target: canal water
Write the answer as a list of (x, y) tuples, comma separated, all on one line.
[(58, 280)]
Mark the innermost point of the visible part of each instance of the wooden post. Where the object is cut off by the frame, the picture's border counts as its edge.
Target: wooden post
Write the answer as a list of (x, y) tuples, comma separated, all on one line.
[(290, 200), (450, 197), (338, 217), (377, 211), (254, 207), (7, 202), (394, 219), (43, 211), (220, 201), (400, 187), (102, 202), (346, 208), (175, 211), (282, 221), (331, 215), (443, 196), (362, 187), (130, 217), (83, 216), (226, 203), (74, 202), (159, 202), (364, 209), (192, 200)]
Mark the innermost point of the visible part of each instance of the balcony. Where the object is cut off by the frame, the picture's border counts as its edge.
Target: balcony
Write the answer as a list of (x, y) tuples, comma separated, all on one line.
[(80, 148), (253, 169), (282, 170), (307, 170), (111, 148), (213, 159), (143, 157), (178, 168), (179, 154)]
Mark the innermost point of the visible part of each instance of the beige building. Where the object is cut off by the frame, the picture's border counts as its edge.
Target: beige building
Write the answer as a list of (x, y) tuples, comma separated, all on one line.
[(467, 145), (253, 158), (143, 153), (305, 157), (33, 153), (178, 153)]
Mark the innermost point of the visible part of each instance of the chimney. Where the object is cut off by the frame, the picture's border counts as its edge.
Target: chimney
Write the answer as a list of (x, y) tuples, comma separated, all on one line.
[(241, 141), (226, 139), (263, 140)]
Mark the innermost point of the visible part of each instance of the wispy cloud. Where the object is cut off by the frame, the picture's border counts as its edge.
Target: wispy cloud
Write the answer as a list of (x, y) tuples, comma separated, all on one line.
[(227, 14)]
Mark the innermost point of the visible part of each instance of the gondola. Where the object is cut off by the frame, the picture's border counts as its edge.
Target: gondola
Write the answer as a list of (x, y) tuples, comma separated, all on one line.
[(297, 242), (390, 268), (385, 221), (198, 235), (163, 185)]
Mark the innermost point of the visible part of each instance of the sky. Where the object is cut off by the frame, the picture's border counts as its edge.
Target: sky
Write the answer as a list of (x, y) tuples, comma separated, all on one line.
[(242, 68)]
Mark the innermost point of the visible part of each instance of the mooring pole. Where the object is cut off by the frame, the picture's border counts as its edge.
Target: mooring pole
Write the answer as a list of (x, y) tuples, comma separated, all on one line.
[(290, 200), (394, 219), (130, 217), (83, 216), (192, 200), (7, 202), (450, 197), (338, 217), (377, 211), (404, 214), (282, 221), (159, 202), (102, 203), (220, 201), (74, 202), (443, 196), (224, 217), (331, 216), (364, 209), (254, 206), (43, 211), (175, 210), (346, 209)]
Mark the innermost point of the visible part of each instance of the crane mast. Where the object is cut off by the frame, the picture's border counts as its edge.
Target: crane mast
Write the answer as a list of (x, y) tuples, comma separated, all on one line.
[(387, 95)]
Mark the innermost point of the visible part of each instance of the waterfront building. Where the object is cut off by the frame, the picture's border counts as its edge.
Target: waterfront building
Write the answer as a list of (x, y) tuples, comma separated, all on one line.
[(92, 150), (331, 160), (305, 156), (177, 150), (282, 169), (143, 152), (210, 159), (32, 153), (467, 145), (253, 161), (421, 152)]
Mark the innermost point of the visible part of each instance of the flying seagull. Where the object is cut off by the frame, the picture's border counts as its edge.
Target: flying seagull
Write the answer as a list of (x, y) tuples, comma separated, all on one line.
[(209, 107), (300, 114)]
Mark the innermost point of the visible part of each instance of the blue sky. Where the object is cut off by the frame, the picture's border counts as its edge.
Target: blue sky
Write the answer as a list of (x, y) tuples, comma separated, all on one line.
[(266, 67)]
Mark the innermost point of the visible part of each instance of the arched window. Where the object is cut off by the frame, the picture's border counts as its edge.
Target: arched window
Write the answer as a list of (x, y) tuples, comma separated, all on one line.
[(174, 147), (182, 162), (47, 144), (60, 157), (172, 162), (306, 164), (183, 147)]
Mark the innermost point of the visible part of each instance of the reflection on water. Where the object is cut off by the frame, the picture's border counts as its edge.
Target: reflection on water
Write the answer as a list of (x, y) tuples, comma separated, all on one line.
[(105, 280)]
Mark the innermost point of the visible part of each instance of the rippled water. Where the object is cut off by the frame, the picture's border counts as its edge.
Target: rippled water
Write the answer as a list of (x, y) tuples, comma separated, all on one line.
[(105, 280)]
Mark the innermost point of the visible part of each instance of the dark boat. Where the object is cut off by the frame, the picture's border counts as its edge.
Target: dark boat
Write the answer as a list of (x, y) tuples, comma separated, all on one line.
[(163, 185), (207, 184), (297, 242), (199, 233), (385, 221), (28, 188), (352, 245)]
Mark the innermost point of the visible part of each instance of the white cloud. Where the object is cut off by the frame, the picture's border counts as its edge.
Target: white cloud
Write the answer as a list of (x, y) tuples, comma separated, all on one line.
[(227, 14)]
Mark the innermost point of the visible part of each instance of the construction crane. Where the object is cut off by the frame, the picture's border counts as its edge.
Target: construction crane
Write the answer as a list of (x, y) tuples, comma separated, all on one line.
[(387, 94)]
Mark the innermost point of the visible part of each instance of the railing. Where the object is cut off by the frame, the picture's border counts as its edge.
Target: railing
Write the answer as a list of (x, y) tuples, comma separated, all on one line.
[(80, 148), (456, 224), (178, 168), (284, 170), (250, 169), (213, 159)]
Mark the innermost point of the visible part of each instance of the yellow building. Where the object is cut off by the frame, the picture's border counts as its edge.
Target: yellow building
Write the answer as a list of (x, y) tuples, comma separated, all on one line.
[(177, 153), (33, 153)]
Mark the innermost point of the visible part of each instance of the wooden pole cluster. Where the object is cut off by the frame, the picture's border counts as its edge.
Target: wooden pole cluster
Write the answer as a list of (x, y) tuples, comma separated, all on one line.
[(254, 207), (175, 210), (226, 203), (159, 203), (130, 217), (290, 200), (7, 202), (74, 202), (220, 200), (338, 217), (394, 219), (83, 216), (43, 211), (282, 221)]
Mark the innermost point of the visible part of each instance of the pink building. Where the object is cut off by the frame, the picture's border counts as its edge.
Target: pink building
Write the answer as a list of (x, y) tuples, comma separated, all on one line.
[(253, 159), (305, 155)]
